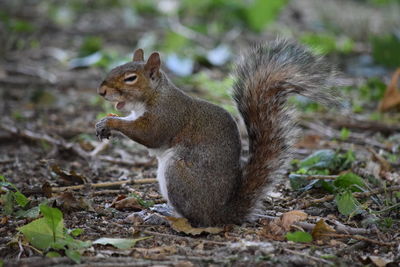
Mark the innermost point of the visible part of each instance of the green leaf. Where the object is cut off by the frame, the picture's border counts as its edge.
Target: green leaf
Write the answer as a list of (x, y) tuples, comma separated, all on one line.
[(325, 43), (348, 180), (53, 254), (21, 200), (298, 181), (121, 243), (40, 234), (174, 42), (1, 263), (53, 217), (299, 236), (260, 13), (73, 255), (321, 159), (76, 232), (8, 203), (90, 45), (373, 90), (32, 213), (344, 134), (145, 203), (346, 203), (385, 50), (74, 243)]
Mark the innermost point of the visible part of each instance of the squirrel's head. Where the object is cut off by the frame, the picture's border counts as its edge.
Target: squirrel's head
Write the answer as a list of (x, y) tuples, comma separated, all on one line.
[(132, 83)]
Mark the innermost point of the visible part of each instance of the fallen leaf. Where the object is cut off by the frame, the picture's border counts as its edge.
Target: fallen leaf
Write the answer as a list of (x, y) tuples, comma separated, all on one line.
[(46, 189), (70, 178), (68, 202), (3, 220), (277, 228), (121, 243), (320, 230), (391, 98), (379, 261), (299, 236), (290, 217), (165, 250), (309, 141), (122, 202), (385, 165), (375, 260), (183, 225)]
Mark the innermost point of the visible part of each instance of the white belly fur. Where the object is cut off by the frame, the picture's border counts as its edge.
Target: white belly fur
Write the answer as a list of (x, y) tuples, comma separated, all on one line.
[(163, 157)]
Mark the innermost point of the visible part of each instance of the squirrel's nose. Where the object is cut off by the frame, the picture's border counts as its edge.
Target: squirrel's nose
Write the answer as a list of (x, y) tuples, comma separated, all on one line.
[(102, 90)]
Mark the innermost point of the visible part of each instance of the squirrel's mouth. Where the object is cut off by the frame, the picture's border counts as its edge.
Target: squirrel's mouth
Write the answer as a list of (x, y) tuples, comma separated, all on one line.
[(119, 105)]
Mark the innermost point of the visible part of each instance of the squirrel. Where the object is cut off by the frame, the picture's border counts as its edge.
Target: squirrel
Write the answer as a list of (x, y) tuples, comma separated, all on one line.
[(197, 143)]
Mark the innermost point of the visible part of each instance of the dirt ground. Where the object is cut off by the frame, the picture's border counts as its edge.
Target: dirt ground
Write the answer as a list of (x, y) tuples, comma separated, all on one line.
[(47, 139)]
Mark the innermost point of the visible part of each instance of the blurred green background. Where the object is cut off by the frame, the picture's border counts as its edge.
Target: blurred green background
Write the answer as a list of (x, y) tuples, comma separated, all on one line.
[(199, 40)]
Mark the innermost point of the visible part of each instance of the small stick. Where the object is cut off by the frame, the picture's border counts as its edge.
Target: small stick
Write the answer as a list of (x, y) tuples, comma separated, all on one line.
[(318, 177), (127, 162), (307, 256), (340, 228), (356, 195), (185, 237), (105, 185), (363, 238)]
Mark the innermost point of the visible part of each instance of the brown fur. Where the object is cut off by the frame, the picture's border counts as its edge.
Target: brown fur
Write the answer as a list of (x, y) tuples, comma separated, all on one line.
[(202, 174)]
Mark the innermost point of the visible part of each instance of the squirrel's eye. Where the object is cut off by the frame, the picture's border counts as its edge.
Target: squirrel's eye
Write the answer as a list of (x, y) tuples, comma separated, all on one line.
[(130, 79)]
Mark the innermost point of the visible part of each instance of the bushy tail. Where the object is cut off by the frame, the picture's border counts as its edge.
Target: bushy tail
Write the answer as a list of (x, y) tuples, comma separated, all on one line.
[(265, 75)]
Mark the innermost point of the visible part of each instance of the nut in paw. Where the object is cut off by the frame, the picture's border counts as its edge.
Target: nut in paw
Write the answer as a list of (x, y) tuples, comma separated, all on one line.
[(102, 131)]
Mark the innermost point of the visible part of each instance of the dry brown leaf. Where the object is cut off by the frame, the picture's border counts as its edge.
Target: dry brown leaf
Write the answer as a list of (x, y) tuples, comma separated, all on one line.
[(183, 225), (3, 220), (165, 250), (290, 217), (122, 202), (385, 165), (379, 261), (309, 141), (69, 178), (375, 260), (321, 229), (68, 202), (391, 98), (277, 228), (46, 189)]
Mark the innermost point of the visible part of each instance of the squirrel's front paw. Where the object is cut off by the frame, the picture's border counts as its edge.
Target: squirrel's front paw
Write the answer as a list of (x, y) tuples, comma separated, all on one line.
[(102, 131)]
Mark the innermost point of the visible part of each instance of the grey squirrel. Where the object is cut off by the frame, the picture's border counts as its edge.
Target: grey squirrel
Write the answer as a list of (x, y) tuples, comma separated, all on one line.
[(197, 143)]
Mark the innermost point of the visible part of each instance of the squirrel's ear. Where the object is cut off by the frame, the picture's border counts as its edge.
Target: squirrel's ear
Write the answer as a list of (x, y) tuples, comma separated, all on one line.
[(138, 55), (153, 64)]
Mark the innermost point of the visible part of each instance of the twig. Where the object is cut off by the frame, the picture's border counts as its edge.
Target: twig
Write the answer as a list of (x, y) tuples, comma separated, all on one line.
[(334, 134), (105, 185), (127, 162), (44, 137), (100, 148), (106, 192), (185, 237), (363, 238), (307, 256), (318, 177), (340, 228), (90, 157), (342, 121), (356, 195)]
